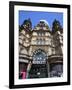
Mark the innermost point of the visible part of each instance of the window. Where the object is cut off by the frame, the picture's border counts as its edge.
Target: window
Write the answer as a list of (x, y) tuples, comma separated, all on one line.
[(39, 57), (37, 41), (41, 33), (43, 41), (40, 41), (56, 70)]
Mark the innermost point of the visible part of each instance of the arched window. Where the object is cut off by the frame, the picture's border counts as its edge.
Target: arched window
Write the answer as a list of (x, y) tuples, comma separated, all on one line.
[(43, 41), (41, 33), (40, 41), (37, 41), (39, 57)]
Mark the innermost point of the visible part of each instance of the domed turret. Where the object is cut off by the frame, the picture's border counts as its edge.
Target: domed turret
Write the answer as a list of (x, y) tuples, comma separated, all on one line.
[(56, 26), (43, 24), (27, 25)]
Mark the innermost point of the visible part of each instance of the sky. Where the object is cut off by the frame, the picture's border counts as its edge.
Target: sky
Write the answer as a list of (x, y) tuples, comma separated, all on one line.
[(36, 16)]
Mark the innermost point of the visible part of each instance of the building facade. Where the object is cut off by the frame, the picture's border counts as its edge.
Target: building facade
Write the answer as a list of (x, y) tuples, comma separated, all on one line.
[(40, 50)]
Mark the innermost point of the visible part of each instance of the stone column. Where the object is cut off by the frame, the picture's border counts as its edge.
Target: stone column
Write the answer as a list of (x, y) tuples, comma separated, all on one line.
[(28, 69), (48, 68)]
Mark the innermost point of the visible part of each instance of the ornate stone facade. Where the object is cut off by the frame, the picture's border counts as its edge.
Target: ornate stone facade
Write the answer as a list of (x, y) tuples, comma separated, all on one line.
[(40, 50)]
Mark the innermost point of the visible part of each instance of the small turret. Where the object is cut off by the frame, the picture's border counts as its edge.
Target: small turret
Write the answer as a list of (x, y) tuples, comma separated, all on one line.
[(56, 26), (27, 24)]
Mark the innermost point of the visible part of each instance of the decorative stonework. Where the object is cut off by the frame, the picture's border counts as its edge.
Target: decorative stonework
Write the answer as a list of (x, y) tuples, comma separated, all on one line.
[(41, 38)]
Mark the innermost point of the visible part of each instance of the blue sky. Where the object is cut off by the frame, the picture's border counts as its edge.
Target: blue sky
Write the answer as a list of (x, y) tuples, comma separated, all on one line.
[(36, 16)]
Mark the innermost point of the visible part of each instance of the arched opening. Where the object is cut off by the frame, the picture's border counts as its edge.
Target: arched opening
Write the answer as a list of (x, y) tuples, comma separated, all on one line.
[(39, 67)]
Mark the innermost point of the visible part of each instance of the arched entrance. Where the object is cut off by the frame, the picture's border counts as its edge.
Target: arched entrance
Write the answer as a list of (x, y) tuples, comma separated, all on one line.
[(39, 67)]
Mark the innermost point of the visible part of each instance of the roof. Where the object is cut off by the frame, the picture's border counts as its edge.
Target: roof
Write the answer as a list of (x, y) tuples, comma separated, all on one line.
[(46, 23)]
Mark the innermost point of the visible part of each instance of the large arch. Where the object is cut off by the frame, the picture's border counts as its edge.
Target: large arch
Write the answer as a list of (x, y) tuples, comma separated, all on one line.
[(39, 56), (38, 67)]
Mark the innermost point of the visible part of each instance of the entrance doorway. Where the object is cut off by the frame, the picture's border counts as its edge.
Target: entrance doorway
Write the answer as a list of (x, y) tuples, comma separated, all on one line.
[(38, 71), (39, 66)]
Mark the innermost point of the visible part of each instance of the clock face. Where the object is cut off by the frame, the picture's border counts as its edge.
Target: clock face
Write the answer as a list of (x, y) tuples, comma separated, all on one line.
[(39, 57)]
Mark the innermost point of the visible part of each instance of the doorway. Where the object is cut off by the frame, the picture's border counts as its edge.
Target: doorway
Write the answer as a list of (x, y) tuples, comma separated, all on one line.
[(38, 71)]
